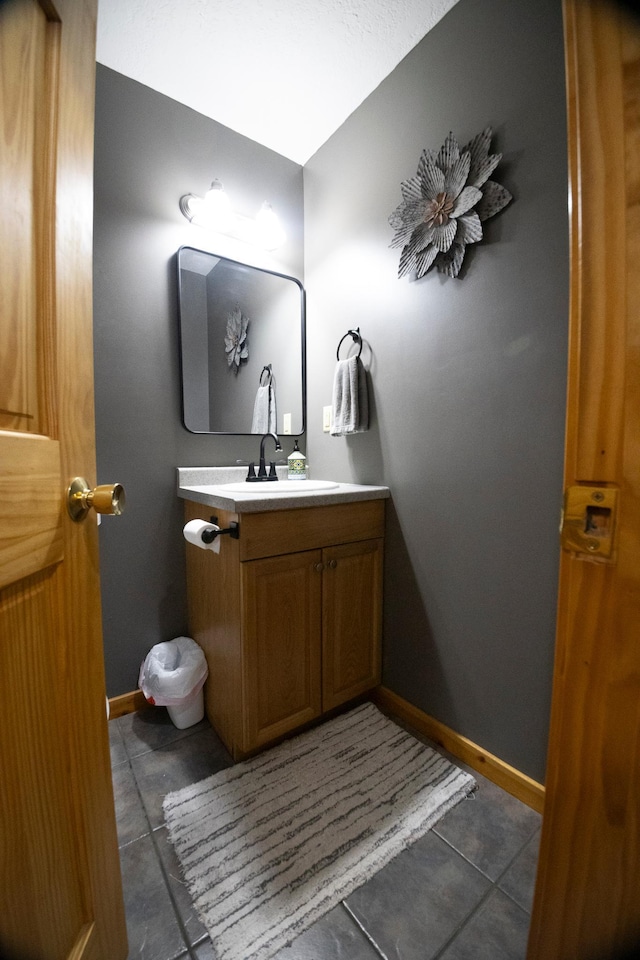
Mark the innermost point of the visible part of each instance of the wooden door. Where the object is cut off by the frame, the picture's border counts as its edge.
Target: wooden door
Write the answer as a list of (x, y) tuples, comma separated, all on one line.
[(281, 644), (351, 620), (59, 867), (587, 901)]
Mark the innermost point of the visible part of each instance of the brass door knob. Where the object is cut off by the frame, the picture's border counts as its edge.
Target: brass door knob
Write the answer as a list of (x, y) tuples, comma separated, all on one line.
[(106, 498)]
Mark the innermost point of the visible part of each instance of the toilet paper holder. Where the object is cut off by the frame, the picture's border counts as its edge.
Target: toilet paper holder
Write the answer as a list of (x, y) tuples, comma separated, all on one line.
[(208, 536)]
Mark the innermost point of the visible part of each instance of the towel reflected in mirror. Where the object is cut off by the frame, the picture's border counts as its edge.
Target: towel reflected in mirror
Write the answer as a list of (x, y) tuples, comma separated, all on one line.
[(264, 409)]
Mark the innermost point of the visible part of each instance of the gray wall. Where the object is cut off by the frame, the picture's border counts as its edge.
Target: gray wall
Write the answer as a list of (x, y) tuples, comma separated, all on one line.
[(467, 376), (149, 151)]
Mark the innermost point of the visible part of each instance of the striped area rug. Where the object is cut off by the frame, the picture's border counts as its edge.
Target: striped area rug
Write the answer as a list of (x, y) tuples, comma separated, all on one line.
[(270, 845)]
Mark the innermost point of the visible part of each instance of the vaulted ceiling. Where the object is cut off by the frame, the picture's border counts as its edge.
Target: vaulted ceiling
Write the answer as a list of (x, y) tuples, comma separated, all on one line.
[(285, 73)]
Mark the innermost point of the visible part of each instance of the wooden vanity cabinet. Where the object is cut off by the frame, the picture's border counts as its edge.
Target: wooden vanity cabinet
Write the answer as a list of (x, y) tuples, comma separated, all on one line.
[(289, 616)]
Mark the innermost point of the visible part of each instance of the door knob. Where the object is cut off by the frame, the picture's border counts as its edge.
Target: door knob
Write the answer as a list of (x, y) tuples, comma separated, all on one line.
[(106, 498)]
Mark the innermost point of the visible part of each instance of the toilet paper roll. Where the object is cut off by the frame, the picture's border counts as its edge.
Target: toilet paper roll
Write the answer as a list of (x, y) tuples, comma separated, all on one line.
[(193, 531)]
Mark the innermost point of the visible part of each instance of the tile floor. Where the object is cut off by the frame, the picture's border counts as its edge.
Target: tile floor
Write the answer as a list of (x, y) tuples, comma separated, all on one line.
[(463, 891)]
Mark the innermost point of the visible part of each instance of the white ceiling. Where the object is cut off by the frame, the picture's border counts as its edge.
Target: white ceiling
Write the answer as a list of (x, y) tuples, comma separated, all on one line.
[(285, 73)]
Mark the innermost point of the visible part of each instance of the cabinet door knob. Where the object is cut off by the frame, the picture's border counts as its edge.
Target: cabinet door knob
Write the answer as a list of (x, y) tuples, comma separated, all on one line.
[(333, 564), (318, 567)]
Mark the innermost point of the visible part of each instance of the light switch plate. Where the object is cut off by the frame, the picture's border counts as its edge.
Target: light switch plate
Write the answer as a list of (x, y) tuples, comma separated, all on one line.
[(326, 419), (286, 423)]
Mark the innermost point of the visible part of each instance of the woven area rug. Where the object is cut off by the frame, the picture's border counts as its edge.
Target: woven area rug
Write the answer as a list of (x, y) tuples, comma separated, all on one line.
[(270, 845)]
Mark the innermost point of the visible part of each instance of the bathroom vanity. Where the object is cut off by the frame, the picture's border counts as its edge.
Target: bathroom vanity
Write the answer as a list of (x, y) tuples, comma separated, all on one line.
[(289, 614)]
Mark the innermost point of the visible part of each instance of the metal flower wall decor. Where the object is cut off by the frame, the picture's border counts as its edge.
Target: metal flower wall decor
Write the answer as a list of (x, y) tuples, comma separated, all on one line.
[(235, 341), (444, 205)]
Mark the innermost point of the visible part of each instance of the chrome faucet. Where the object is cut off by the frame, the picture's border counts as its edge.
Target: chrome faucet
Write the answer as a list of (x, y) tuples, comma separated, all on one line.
[(262, 468)]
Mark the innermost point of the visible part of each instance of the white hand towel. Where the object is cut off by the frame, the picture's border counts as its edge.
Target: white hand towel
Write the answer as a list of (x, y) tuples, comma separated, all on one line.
[(350, 398)]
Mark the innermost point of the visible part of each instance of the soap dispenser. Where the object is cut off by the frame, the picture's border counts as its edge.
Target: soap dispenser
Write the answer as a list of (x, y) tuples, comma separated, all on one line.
[(297, 464)]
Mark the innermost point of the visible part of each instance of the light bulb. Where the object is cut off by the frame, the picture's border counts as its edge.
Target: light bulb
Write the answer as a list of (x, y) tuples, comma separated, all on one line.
[(217, 206), (270, 232)]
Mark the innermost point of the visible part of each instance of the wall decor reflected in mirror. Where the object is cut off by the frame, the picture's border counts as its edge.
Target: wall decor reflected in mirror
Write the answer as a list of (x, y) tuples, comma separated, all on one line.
[(242, 344)]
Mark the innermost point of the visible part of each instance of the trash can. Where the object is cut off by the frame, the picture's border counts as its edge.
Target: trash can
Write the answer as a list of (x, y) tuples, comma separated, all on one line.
[(172, 675)]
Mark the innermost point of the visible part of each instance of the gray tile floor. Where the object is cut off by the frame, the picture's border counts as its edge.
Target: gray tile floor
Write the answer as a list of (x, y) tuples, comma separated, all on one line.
[(463, 891)]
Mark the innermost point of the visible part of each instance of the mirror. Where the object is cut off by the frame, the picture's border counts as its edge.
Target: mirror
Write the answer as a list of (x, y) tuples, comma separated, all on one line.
[(242, 344)]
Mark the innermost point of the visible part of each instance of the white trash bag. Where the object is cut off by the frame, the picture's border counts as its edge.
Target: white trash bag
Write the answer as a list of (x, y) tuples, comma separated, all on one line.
[(173, 675)]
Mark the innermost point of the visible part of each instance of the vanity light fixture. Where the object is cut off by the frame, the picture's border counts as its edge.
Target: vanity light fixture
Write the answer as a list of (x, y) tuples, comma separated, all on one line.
[(215, 212)]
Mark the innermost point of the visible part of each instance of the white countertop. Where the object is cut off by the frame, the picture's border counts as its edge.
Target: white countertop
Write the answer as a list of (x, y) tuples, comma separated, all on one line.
[(203, 485)]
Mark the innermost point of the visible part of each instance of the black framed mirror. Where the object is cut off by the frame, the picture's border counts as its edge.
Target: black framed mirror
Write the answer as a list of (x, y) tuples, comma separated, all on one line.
[(242, 346)]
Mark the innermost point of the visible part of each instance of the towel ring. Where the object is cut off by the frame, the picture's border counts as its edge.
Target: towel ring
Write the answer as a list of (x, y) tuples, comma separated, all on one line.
[(356, 339)]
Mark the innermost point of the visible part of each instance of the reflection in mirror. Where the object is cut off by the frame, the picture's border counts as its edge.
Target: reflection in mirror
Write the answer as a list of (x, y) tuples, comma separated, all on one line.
[(242, 340)]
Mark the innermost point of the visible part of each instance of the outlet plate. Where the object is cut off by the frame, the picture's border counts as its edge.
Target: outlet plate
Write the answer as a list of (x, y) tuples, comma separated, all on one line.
[(326, 419), (286, 423)]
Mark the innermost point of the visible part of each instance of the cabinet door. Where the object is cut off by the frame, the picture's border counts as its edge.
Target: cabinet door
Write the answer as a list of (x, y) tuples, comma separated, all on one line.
[(352, 620), (282, 637)]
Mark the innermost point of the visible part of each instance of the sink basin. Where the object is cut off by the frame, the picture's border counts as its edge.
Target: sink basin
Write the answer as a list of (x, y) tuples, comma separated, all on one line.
[(278, 486)]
